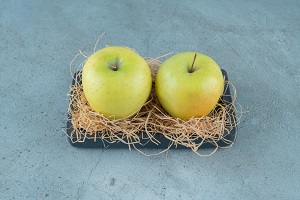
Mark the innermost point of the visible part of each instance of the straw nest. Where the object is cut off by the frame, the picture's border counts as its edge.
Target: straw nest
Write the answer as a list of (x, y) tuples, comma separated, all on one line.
[(150, 120)]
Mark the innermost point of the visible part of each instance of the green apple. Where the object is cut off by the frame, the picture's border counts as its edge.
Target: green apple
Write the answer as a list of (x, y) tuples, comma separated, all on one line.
[(189, 84), (116, 82)]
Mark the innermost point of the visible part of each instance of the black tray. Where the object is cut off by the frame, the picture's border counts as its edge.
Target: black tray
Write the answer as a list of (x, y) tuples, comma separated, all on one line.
[(145, 143)]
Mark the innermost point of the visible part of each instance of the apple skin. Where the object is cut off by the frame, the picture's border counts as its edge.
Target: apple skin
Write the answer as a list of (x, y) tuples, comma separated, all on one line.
[(184, 94), (116, 82)]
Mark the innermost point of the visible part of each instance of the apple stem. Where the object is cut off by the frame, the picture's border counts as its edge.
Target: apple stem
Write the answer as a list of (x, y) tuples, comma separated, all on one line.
[(192, 68), (114, 68)]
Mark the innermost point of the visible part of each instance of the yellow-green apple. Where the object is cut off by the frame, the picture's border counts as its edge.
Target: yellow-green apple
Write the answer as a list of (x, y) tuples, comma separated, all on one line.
[(189, 84), (116, 82)]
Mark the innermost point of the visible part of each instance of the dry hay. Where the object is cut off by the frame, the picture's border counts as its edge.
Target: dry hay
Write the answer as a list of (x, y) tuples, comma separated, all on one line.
[(150, 120)]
